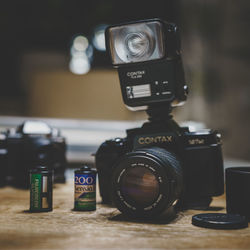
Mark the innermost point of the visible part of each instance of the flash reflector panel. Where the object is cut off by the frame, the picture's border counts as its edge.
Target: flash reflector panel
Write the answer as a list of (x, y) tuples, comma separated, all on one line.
[(138, 42)]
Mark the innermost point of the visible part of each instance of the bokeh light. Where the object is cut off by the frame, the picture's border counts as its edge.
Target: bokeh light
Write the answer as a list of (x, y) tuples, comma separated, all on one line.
[(99, 37), (81, 55)]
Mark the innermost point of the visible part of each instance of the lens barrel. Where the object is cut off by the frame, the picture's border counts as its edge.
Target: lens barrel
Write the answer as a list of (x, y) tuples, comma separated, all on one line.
[(146, 182)]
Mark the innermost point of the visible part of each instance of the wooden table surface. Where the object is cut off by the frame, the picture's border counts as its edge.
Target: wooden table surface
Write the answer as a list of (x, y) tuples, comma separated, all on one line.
[(104, 228)]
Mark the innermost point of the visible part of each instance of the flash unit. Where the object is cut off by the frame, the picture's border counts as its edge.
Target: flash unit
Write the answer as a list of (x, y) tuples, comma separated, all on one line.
[(148, 57)]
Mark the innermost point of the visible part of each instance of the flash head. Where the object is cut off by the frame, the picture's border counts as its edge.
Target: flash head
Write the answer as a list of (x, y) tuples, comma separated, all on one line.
[(147, 55), (136, 42)]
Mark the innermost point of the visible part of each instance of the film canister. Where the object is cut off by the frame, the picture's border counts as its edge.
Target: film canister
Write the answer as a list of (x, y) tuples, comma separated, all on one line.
[(238, 191), (41, 185), (85, 189)]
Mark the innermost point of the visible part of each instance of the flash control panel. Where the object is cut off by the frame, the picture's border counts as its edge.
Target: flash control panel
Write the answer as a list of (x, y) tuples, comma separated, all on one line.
[(147, 83)]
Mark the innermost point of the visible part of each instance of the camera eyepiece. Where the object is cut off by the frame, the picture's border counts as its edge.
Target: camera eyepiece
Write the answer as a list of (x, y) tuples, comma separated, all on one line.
[(147, 182)]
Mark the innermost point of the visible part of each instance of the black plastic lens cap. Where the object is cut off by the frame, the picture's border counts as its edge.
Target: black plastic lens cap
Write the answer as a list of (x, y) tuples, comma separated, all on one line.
[(220, 221)]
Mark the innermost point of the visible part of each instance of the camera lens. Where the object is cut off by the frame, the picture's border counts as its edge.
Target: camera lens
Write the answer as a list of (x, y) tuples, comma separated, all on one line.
[(146, 182)]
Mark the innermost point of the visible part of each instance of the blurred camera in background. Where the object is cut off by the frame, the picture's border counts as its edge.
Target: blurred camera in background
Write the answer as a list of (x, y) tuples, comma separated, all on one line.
[(33, 143)]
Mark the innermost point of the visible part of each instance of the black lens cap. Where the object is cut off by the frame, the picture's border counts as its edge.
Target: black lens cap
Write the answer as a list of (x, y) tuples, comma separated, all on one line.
[(220, 221)]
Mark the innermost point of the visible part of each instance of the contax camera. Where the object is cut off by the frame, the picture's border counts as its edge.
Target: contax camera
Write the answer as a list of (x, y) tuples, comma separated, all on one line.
[(32, 143), (160, 165)]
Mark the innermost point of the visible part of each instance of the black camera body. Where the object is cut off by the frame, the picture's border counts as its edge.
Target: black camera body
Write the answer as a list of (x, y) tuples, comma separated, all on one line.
[(198, 176), (33, 143)]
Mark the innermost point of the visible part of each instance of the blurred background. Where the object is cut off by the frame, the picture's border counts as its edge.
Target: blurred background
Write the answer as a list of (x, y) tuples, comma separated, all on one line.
[(54, 65)]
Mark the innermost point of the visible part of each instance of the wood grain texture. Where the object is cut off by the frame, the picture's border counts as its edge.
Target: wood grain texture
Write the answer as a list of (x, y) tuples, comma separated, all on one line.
[(103, 229)]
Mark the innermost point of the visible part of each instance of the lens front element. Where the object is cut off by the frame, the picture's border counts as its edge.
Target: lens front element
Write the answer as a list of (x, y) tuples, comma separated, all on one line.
[(140, 186)]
